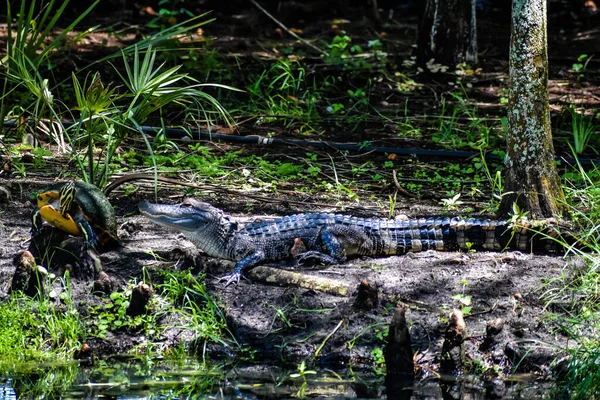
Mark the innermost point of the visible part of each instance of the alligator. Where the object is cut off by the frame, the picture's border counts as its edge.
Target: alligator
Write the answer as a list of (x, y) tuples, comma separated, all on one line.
[(332, 238)]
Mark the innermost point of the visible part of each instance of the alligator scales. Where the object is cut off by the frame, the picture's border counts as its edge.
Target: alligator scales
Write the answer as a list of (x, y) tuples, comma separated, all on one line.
[(329, 238)]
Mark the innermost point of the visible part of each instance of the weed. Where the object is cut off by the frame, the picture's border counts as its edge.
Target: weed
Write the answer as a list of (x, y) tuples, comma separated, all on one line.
[(104, 117), (392, 206), (580, 65), (199, 312), (336, 108), (451, 203), (112, 316), (302, 372), (169, 12), (45, 332), (517, 215), (341, 52), (281, 94), (379, 360), (460, 125), (494, 180), (465, 301), (38, 157), (576, 290), (583, 128), (30, 52)]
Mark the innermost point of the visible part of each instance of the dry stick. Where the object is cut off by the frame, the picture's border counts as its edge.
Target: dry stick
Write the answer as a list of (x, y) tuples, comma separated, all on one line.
[(286, 278), (400, 188), (285, 28)]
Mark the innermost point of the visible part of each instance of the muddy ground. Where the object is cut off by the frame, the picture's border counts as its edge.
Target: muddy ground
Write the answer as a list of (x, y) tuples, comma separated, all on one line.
[(503, 286)]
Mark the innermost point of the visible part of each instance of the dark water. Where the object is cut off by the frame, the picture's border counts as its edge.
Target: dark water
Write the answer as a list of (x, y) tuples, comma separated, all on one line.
[(193, 379)]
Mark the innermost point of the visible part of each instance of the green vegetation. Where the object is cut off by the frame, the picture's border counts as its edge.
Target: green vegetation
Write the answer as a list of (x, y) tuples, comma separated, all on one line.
[(584, 128), (198, 311), (117, 378), (105, 116), (181, 297), (575, 292), (44, 331), (281, 94), (57, 329)]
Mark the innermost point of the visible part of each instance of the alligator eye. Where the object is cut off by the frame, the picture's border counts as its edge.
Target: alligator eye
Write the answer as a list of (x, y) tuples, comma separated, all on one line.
[(186, 203)]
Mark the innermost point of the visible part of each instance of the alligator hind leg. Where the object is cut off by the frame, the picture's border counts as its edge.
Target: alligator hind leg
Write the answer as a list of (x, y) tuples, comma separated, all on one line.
[(334, 251)]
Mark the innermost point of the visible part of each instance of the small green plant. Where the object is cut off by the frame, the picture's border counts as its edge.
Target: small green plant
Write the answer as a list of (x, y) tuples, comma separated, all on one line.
[(112, 316), (517, 216), (200, 313), (583, 128), (281, 93), (580, 65), (302, 373), (392, 206), (38, 157), (379, 360), (451, 203), (494, 179), (465, 301), (338, 48), (342, 52), (169, 14), (336, 108)]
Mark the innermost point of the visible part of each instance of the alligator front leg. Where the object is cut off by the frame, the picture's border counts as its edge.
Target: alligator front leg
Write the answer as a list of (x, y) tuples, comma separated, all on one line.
[(244, 265)]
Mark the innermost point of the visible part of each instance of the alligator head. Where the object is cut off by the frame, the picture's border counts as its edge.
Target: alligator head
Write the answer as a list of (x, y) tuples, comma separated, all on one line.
[(189, 216), (208, 227)]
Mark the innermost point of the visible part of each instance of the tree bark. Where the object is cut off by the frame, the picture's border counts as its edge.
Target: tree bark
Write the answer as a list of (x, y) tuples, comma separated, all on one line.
[(448, 32), (531, 178)]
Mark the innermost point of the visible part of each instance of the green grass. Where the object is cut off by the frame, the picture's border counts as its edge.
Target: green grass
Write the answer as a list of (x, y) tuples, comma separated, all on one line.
[(583, 128), (283, 95), (37, 330), (576, 292), (199, 312)]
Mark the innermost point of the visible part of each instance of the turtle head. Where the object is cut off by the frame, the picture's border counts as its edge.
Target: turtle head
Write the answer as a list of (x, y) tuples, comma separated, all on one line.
[(66, 197)]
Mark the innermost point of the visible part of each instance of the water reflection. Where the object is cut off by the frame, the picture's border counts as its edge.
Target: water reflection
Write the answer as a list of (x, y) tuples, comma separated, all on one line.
[(137, 379)]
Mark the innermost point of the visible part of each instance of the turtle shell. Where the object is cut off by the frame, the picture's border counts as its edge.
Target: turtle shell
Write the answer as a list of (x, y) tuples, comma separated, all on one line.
[(91, 202)]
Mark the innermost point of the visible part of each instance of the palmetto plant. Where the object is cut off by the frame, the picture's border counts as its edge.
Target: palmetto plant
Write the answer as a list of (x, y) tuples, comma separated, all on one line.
[(31, 50), (104, 114), (107, 116)]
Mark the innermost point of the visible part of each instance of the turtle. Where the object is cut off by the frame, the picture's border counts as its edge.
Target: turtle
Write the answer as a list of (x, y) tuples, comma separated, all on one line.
[(79, 209)]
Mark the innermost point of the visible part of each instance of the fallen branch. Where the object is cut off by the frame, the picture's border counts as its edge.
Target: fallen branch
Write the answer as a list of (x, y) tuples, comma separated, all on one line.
[(283, 277)]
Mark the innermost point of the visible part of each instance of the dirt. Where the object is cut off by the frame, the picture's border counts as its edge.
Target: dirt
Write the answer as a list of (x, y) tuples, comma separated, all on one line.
[(289, 323)]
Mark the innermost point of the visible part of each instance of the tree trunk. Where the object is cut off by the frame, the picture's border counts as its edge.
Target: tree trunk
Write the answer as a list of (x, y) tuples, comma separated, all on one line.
[(448, 32), (531, 178)]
